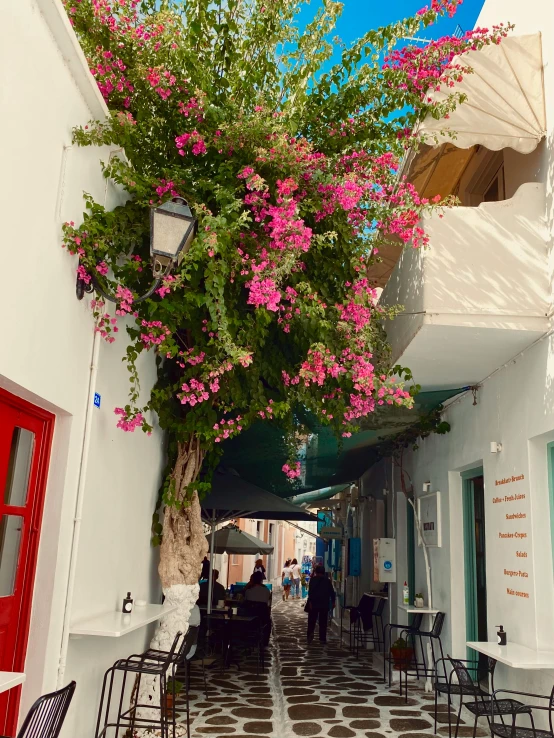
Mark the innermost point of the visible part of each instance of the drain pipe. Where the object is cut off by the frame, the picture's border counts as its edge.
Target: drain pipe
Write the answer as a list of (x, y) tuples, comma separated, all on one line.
[(85, 449)]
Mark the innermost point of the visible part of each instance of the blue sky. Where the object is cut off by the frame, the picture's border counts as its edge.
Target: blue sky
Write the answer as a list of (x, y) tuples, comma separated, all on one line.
[(360, 15)]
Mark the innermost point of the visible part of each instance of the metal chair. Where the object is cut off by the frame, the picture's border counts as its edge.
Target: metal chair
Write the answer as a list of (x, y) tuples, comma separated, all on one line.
[(405, 630), (186, 650), (139, 665), (419, 669), (364, 635), (46, 716), (481, 704), (502, 730)]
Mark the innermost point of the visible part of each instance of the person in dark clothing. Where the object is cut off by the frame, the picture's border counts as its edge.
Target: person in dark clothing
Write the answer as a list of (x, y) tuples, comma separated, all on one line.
[(205, 568), (320, 596), (218, 592), (259, 567)]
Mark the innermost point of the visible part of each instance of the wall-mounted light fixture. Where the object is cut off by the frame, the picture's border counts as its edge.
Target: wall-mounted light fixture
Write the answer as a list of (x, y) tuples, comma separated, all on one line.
[(495, 447), (172, 230)]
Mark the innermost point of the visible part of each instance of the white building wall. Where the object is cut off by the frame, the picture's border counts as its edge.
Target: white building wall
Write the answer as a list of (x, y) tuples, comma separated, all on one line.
[(47, 340), (515, 407)]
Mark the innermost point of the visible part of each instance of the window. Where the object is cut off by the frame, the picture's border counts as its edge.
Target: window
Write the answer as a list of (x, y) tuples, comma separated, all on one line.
[(487, 184)]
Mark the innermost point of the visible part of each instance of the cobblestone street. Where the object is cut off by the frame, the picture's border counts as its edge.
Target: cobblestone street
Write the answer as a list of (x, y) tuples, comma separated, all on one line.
[(310, 691)]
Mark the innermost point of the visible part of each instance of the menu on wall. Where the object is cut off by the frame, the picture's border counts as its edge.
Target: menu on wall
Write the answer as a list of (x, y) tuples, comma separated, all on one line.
[(514, 530)]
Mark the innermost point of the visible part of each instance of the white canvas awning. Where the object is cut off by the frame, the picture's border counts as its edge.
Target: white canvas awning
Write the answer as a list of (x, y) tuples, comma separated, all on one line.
[(505, 99)]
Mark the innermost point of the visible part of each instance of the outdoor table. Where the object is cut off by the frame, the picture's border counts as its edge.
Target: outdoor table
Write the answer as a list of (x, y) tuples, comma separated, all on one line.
[(514, 655), (223, 616), (10, 679)]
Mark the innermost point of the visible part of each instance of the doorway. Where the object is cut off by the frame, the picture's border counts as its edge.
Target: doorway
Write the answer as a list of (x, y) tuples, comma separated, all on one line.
[(25, 439), (475, 564)]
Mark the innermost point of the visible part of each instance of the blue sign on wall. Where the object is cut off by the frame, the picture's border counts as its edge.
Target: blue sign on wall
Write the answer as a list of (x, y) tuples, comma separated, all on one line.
[(354, 557), (97, 399)]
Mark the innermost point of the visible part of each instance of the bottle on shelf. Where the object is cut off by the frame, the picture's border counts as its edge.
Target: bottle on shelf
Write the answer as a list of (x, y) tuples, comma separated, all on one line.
[(406, 594), (502, 635), (127, 604)]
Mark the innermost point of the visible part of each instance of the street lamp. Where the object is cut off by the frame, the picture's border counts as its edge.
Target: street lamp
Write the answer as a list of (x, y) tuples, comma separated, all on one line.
[(172, 230)]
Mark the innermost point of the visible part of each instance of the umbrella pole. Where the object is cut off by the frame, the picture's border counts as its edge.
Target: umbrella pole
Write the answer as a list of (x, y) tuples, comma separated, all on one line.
[(211, 579)]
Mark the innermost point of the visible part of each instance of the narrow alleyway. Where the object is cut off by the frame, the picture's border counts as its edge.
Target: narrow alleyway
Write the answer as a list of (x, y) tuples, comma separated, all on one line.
[(315, 691)]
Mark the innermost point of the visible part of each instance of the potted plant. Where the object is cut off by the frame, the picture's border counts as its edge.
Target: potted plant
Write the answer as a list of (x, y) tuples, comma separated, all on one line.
[(401, 653), (419, 600), (174, 688)]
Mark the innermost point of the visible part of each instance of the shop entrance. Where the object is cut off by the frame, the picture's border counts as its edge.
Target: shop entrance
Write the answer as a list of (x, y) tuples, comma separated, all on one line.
[(475, 563), (25, 437)]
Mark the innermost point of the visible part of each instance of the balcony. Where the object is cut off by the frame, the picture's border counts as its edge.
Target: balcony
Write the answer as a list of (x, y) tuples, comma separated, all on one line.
[(477, 296)]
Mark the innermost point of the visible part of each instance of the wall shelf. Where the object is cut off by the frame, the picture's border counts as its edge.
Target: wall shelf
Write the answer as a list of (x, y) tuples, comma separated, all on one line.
[(117, 624), (10, 679)]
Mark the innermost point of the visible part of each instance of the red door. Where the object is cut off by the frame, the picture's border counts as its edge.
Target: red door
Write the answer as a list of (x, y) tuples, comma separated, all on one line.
[(25, 439)]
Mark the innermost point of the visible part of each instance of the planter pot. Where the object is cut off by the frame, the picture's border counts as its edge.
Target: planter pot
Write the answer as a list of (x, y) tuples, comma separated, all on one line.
[(401, 657), (419, 602)]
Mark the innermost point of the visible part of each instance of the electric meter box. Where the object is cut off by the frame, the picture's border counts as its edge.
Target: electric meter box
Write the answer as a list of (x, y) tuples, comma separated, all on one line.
[(386, 559)]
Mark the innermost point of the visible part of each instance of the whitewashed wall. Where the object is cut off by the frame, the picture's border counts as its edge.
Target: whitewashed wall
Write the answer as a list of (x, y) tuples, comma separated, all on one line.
[(45, 357), (515, 407)]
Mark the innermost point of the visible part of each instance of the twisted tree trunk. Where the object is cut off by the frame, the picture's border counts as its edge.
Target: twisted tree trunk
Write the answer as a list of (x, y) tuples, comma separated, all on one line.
[(183, 547)]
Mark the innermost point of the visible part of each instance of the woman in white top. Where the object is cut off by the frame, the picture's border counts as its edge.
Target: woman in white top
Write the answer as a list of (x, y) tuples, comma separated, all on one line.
[(286, 579), (295, 573)]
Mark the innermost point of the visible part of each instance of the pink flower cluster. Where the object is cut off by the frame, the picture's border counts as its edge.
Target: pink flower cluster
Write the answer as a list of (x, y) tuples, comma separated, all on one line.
[(110, 78), (227, 429), (153, 333), (194, 140), (104, 323), (129, 420), (161, 80), (292, 472), (125, 297)]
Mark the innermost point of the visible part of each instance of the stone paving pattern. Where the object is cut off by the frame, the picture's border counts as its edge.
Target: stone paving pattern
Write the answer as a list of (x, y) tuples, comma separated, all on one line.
[(316, 690)]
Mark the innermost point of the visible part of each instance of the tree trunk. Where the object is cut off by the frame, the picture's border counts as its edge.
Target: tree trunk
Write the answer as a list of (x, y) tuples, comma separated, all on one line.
[(183, 547)]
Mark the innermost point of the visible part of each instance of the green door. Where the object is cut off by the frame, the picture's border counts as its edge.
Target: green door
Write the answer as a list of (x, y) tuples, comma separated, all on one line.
[(473, 503)]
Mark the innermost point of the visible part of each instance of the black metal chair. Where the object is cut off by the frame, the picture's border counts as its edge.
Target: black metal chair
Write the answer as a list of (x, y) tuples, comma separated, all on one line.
[(186, 649), (249, 636), (513, 730), (480, 704), (140, 666), (47, 715), (420, 669), (405, 630), (371, 634)]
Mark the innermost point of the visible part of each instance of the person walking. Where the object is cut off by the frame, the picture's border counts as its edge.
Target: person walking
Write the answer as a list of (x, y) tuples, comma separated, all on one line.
[(205, 574), (295, 571), (259, 567), (286, 579), (320, 595)]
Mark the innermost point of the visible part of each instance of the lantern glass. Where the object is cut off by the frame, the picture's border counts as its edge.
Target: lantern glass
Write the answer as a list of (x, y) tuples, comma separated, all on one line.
[(172, 229)]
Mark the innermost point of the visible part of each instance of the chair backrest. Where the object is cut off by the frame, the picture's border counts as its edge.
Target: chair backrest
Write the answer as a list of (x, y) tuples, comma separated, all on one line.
[(416, 621), (174, 652), (380, 607), (437, 624), (46, 716), (463, 675), (189, 642)]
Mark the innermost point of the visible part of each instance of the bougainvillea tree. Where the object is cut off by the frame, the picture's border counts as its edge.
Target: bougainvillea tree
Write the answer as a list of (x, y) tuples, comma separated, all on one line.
[(286, 144)]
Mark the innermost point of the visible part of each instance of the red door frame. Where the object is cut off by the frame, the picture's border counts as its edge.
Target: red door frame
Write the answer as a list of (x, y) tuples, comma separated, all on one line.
[(29, 565)]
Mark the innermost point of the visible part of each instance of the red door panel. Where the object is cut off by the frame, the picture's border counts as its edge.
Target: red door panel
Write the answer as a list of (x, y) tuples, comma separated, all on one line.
[(25, 439)]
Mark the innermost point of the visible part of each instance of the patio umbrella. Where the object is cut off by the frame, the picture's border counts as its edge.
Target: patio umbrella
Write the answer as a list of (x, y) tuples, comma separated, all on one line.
[(236, 541), (233, 497)]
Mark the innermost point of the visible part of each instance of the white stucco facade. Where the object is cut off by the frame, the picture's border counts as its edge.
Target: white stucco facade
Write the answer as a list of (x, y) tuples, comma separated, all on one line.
[(514, 402), (46, 357)]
